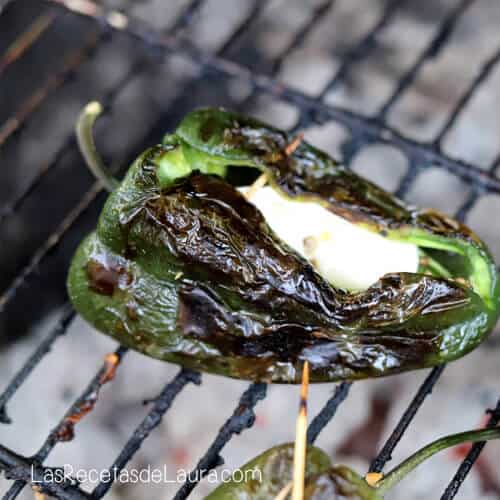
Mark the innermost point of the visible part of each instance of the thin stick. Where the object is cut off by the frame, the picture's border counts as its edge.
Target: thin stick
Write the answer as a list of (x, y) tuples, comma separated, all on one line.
[(261, 181), (38, 494), (284, 492), (299, 455), (290, 148), (84, 127)]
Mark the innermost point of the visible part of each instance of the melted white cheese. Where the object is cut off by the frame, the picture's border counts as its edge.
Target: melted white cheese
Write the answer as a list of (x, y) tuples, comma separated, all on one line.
[(346, 255)]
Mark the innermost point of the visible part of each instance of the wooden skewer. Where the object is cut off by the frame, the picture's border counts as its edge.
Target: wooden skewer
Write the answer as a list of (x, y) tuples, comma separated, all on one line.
[(38, 494), (284, 492), (290, 148), (261, 181), (299, 456)]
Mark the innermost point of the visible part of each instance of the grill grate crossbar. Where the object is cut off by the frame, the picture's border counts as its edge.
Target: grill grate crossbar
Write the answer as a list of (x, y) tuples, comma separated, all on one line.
[(71, 66), (319, 12), (242, 418), (88, 396), (328, 411), (425, 389), (482, 75), (364, 47), (24, 470), (161, 404), (432, 50), (375, 129), (32, 362), (370, 129), (54, 82)]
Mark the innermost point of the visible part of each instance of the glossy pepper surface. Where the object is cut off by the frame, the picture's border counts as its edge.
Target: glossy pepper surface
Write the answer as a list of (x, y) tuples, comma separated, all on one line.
[(265, 477), (183, 268)]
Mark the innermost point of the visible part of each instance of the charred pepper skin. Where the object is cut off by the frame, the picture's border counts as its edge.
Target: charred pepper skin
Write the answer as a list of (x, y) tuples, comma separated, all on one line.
[(183, 268)]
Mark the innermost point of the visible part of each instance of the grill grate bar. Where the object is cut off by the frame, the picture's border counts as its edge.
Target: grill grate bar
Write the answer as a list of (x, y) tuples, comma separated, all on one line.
[(359, 52), (425, 389), (53, 83), (484, 72), (90, 392), (371, 128), (91, 194), (295, 42), (137, 439), (49, 245), (468, 204), (107, 99), (26, 39), (495, 164), (161, 404), (254, 13), (299, 37), (69, 143), (432, 50), (328, 411), (242, 418), (476, 191), (429, 383), (474, 194), (414, 169), (186, 16), (375, 129), (363, 48), (21, 469), (471, 458), (10, 207), (43, 348)]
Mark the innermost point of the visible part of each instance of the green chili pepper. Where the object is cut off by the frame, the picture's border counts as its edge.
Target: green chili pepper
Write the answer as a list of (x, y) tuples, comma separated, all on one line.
[(266, 475), (270, 473), (183, 268)]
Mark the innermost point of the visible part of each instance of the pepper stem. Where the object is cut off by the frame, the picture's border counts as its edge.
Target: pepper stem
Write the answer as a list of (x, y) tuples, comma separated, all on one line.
[(398, 473), (85, 139)]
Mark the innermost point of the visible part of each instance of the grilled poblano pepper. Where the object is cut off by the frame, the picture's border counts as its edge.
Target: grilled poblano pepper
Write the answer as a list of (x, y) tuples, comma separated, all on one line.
[(271, 473), (184, 268)]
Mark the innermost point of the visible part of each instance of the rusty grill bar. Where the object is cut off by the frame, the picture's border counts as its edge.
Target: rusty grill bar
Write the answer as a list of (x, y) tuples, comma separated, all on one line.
[(363, 130)]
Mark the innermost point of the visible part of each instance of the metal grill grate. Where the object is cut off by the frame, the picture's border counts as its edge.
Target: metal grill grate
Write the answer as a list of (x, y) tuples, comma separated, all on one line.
[(363, 131)]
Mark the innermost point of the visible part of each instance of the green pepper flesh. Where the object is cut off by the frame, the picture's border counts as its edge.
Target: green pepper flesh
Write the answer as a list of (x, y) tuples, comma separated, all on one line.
[(182, 268)]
